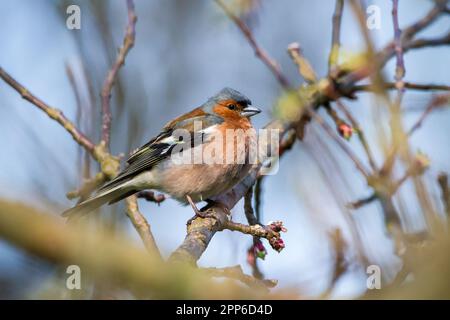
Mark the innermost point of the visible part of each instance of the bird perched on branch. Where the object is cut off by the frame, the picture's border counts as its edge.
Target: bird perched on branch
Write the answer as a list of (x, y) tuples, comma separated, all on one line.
[(170, 162)]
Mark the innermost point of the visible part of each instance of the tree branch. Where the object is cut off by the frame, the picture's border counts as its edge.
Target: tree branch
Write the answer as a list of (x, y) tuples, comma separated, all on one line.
[(128, 43), (359, 133), (407, 85), (259, 52), (304, 67), (270, 232), (436, 102), (53, 113), (400, 64), (336, 35), (141, 225)]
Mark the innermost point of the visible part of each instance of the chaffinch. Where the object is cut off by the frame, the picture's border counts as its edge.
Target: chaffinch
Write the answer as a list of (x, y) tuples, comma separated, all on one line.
[(154, 166)]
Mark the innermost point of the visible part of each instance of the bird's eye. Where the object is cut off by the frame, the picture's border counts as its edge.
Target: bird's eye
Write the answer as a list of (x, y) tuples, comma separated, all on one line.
[(232, 107)]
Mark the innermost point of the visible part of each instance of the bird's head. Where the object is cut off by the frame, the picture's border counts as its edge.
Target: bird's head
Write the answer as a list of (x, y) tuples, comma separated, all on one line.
[(229, 103)]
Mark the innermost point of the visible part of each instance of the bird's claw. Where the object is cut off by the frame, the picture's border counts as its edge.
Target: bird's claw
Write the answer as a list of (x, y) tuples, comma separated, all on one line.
[(208, 213), (205, 212)]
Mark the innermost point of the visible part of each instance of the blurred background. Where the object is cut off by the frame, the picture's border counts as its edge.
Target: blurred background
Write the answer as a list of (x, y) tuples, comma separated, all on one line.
[(186, 51)]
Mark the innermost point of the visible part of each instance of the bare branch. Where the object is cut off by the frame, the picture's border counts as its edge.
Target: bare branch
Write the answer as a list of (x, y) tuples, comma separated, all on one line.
[(407, 85), (400, 64), (435, 103), (304, 67), (428, 19), (362, 202), (336, 35), (128, 43), (346, 82), (141, 225), (270, 232), (257, 249), (248, 209), (259, 52), (425, 43), (361, 168), (53, 113), (340, 263), (359, 133)]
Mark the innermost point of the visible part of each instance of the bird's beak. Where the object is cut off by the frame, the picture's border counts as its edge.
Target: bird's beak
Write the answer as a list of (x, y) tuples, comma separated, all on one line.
[(250, 111)]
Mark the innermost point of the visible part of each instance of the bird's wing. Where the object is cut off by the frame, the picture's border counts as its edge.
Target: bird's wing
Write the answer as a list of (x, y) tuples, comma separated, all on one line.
[(160, 147)]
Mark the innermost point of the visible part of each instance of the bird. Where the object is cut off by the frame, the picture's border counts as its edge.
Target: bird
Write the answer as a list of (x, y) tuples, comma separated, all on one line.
[(155, 166)]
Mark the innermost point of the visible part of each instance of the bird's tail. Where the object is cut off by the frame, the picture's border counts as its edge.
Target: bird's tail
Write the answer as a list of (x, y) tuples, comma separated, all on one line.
[(108, 196)]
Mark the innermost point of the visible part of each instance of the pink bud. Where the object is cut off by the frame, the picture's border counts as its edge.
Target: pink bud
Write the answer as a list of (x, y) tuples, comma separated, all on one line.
[(277, 226), (345, 130), (259, 250)]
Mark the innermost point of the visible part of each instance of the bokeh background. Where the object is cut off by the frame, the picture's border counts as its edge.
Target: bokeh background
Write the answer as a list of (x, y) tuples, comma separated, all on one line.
[(186, 51)]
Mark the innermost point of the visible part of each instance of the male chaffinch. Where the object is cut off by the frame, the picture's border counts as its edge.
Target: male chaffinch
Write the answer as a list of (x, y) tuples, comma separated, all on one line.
[(153, 167)]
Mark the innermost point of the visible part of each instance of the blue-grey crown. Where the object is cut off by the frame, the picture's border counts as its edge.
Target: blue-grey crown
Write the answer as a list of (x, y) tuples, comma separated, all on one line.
[(225, 94), (228, 93)]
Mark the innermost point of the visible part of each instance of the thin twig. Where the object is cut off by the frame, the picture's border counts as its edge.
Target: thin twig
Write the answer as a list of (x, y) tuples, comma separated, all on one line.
[(252, 257), (336, 35), (340, 263), (427, 42), (347, 82), (141, 225), (361, 168), (428, 19), (270, 232), (436, 102), (82, 155), (304, 67), (128, 42), (362, 202), (340, 124), (387, 191), (248, 209), (400, 63), (259, 52), (359, 133), (53, 113), (407, 85)]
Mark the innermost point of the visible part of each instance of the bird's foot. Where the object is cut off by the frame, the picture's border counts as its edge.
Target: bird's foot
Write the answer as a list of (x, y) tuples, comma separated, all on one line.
[(205, 212)]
